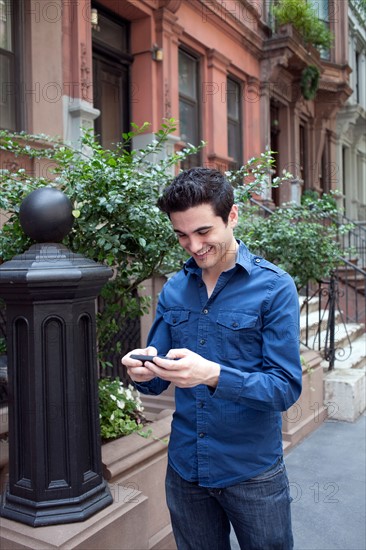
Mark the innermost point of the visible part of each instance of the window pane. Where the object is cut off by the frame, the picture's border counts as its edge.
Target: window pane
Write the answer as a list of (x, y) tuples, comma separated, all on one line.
[(321, 8), (5, 25), (232, 98), (7, 96), (187, 75), (234, 141), (234, 145), (187, 122)]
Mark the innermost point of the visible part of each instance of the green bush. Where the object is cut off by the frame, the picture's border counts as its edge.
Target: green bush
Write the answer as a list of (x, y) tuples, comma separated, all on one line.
[(301, 239), (117, 222)]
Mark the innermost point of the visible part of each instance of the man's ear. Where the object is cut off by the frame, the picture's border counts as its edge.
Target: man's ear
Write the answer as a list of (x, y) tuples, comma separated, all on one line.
[(233, 216)]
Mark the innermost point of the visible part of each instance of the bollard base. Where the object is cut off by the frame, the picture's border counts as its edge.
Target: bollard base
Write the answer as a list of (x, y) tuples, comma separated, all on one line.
[(54, 512), (117, 527)]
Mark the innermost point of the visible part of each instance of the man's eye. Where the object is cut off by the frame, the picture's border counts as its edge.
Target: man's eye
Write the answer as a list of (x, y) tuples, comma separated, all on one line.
[(203, 232)]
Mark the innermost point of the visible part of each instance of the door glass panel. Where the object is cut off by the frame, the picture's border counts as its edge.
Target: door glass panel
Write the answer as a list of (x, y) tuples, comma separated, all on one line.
[(110, 107), (114, 35)]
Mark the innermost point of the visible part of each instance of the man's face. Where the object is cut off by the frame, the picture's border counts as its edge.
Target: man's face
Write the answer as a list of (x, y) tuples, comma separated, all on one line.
[(206, 237)]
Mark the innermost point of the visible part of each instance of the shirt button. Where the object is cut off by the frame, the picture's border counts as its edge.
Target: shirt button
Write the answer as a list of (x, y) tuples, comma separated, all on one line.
[(257, 260), (205, 311), (202, 342), (201, 435), (235, 325), (201, 404)]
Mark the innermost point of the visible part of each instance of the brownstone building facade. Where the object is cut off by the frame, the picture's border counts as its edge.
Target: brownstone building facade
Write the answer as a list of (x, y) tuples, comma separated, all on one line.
[(219, 67)]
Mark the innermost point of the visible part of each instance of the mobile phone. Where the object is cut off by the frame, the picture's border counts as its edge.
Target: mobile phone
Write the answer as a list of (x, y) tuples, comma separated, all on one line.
[(151, 358)]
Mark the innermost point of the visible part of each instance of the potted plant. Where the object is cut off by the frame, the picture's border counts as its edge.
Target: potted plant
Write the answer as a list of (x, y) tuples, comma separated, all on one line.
[(134, 455), (303, 17)]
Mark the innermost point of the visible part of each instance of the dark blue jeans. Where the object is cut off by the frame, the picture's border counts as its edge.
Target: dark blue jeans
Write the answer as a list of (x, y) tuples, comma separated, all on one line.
[(258, 509)]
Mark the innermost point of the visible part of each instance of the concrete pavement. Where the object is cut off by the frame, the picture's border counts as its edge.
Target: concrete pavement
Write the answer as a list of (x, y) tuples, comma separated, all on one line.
[(327, 478)]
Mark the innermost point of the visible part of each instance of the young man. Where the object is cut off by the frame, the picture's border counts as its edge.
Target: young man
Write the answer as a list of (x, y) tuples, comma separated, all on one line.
[(229, 321)]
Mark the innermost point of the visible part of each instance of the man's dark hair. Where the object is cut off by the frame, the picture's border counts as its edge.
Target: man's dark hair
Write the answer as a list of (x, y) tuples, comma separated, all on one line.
[(198, 186)]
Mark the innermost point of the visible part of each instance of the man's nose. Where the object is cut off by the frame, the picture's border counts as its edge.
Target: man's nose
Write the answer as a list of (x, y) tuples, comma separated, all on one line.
[(195, 244)]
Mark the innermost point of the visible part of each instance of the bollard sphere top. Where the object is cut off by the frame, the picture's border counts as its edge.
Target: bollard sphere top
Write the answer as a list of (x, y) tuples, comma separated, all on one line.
[(46, 215)]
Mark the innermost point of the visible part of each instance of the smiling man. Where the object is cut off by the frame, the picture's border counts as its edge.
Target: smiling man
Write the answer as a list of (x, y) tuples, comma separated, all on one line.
[(229, 321)]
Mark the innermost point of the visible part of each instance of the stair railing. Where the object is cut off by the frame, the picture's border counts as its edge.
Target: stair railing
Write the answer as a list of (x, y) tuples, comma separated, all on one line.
[(339, 304)]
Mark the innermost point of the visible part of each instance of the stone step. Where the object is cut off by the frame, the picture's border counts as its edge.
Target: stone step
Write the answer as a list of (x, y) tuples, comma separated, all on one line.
[(354, 358), (313, 321), (343, 334), (313, 304)]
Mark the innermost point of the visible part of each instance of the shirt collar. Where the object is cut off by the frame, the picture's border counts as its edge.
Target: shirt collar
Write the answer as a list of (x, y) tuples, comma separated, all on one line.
[(243, 258)]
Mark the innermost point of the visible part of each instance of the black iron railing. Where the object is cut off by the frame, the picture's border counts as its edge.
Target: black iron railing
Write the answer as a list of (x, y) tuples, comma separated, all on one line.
[(353, 241), (340, 304)]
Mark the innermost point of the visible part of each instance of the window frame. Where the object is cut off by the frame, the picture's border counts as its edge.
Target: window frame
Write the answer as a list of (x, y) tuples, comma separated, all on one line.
[(238, 162), (16, 58), (192, 160)]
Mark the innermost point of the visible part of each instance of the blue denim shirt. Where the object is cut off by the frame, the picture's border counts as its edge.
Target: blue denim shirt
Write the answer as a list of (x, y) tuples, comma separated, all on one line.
[(250, 325)]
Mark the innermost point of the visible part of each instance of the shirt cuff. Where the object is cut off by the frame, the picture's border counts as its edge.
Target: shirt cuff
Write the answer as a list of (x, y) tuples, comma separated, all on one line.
[(230, 385)]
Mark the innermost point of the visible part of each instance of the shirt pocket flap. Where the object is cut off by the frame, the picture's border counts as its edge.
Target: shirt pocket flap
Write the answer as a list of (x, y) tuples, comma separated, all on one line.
[(176, 317), (236, 321)]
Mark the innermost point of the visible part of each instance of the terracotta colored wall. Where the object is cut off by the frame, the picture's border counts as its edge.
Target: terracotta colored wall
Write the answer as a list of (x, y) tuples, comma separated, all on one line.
[(155, 84), (43, 87)]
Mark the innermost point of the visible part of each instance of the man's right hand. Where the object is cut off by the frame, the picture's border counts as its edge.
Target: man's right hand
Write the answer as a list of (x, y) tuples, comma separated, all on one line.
[(138, 371)]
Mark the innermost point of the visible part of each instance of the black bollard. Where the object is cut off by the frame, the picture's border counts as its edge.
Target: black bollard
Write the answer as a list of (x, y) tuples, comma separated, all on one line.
[(55, 468)]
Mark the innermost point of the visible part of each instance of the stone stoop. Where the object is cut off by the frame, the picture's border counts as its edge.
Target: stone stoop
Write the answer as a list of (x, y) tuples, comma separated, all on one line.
[(345, 385)]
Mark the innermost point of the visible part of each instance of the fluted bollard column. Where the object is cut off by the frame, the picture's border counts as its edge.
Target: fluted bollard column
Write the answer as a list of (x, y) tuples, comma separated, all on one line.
[(55, 468)]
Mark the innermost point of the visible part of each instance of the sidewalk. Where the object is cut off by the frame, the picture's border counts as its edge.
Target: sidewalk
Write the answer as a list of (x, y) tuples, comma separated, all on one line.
[(327, 478)]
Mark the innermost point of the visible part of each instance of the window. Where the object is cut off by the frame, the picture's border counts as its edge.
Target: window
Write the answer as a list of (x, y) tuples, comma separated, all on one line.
[(234, 123), (325, 168), (357, 76), (189, 105), (275, 146), (10, 36), (321, 7), (303, 154)]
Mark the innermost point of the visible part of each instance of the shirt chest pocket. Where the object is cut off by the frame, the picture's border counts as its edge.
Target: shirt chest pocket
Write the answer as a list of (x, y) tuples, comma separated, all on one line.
[(177, 320), (238, 333)]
